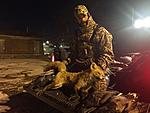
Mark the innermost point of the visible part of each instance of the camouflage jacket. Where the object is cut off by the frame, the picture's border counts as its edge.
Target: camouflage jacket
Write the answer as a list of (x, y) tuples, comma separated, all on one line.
[(93, 45)]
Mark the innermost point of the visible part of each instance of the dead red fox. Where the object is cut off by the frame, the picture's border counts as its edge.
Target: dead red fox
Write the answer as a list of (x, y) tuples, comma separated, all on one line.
[(82, 80)]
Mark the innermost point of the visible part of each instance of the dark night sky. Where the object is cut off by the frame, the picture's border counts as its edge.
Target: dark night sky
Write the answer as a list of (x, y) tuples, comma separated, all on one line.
[(50, 17), (46, 18), (55, 17), (40, 17)]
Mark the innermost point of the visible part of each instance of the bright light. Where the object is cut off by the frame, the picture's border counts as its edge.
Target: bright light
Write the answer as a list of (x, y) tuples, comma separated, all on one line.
[(142, 23), (44, 44), (47, 42), (61, 46), (44, 49), (147, 22), (53, 58), (138, 23)]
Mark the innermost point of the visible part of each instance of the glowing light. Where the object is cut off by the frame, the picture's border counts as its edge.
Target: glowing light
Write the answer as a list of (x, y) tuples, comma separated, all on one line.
[(44, 49), (53, 58), (61, 46), (47, 42), (142, 23), (138, 23), (44, 44), (146, 22)]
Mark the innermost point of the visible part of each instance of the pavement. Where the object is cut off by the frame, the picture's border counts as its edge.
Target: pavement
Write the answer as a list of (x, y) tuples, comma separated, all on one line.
[(14, 74)]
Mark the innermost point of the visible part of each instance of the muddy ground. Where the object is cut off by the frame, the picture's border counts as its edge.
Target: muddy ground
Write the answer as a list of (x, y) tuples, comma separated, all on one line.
[(14, 74)]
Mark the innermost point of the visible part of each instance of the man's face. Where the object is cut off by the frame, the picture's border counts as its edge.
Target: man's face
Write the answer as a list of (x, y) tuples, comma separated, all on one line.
[(81, 18)]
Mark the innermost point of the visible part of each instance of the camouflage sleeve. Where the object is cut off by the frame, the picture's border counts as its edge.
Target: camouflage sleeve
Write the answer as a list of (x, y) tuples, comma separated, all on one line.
[(105, 55)]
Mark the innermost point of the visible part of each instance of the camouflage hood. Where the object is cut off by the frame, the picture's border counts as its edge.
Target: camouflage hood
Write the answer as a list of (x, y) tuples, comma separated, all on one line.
[(90, 23)]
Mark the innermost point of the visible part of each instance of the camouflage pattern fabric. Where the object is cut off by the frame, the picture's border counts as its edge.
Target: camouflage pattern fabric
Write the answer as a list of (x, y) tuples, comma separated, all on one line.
[(93, 43), (81, 9)]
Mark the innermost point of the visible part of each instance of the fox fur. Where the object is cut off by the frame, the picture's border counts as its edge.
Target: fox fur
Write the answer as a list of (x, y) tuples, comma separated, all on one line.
[(82, 80)]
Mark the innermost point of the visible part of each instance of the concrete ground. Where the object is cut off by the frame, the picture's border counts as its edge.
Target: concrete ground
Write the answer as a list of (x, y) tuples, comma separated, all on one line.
[(14, 73)]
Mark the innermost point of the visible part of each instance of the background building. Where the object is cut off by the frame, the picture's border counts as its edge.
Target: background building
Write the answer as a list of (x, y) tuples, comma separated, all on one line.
[(20, 46)]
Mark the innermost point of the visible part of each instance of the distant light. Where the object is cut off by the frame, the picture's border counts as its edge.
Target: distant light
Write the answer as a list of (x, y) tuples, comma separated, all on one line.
[(61, 46), (53, 58), (142, 23), (44, 44), (47, 42), (44, 49)]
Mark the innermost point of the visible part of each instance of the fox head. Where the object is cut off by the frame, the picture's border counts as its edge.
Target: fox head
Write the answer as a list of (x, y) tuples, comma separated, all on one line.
[(96, 71)]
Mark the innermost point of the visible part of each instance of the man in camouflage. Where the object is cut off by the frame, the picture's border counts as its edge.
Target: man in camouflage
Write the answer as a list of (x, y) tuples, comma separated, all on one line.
[(92, 44)]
